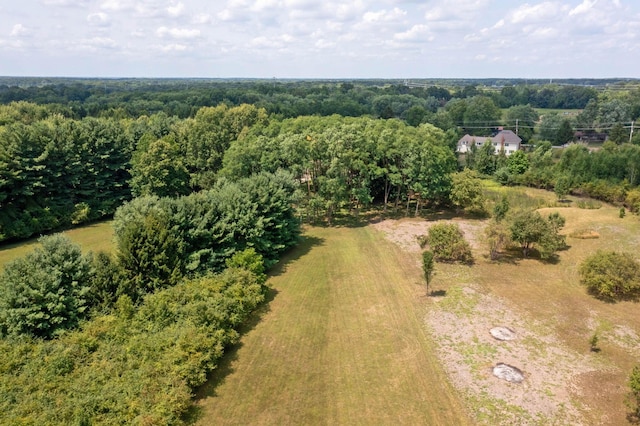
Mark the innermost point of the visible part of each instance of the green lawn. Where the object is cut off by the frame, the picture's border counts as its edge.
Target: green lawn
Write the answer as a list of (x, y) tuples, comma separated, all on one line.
[(94, 237), (343, 341)]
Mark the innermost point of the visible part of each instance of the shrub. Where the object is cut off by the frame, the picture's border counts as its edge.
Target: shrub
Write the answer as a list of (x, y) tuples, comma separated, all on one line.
[(611, 276), (633, 398), (498, 238), (448, 244), (632, 200), (134, 366)]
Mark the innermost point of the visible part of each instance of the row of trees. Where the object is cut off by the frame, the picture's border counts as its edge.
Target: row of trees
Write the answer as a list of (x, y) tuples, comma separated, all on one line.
[(345, 162), (57, 171), (160, 241)]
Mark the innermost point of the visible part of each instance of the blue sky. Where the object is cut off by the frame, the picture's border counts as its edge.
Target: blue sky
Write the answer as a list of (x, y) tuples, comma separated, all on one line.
[(320, 39)]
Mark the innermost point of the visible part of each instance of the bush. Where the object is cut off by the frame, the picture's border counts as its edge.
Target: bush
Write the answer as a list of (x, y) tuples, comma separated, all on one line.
[(448, 244), (46, 291), (633, 398), (611, 276)]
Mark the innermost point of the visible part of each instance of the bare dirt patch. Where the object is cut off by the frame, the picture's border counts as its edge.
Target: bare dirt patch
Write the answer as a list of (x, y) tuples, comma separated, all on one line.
[(459, 322), (405, 232)]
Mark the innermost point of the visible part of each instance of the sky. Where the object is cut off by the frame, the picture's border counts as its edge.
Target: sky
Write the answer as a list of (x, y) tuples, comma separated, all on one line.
[(321, 38)]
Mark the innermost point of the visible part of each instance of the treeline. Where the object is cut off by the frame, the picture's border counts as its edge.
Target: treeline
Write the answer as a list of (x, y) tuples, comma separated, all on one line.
[(183, 98), (609, 174), (101, 339), (350, 162), (57, 171), (59, 168)]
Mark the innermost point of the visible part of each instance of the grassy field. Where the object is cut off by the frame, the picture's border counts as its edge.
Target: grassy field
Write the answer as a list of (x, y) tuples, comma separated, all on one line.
[(94, 237), (343, 338), (342, 342)]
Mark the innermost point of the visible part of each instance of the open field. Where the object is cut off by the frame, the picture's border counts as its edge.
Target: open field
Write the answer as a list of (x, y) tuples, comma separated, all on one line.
[(349, 337), (316, 355), (342, 342), (95, 237), (554, 318)]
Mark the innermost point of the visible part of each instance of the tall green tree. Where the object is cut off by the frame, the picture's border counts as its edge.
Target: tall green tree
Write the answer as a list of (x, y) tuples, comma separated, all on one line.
[(565, 133), (466, 191), (159, 170), (47, 291), (522, 118), (150, 254), (482, 114)]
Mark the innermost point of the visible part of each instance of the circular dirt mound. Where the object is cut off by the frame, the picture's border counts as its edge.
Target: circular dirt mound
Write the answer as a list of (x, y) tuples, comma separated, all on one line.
[(503, 333), (508, 372)]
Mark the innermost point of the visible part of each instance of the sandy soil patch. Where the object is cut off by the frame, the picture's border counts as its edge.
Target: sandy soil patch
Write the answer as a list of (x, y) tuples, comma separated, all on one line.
[(405, 232)]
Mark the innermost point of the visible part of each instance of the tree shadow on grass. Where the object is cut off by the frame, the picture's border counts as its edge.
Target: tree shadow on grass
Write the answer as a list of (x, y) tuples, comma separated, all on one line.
[(305, 245), (225, 365)]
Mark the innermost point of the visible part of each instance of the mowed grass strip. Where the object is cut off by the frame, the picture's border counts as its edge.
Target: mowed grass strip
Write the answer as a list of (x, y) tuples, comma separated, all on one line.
[(342, 342), (95, 237)]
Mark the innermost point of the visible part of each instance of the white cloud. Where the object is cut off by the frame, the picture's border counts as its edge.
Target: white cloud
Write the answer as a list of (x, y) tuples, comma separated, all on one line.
[(416, 33), (115, 5), (534, 13), (324, 44), (19, 30), (583, 7), (271, 42), (202, 18), (176, 10), (384, 16), (179, 33), (174, 47), (355, 37), (99, 19), (94, 44), (66, 3)]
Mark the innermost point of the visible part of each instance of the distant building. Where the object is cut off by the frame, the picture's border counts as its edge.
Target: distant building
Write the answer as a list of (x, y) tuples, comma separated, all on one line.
[(504, 140)]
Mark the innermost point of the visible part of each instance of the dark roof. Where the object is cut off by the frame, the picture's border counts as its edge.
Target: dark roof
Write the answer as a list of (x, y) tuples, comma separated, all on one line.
[(506, 136)]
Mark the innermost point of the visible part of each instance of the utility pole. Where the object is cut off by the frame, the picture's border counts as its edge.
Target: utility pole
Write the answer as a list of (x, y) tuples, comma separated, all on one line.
[(516, 126), (631, 132)]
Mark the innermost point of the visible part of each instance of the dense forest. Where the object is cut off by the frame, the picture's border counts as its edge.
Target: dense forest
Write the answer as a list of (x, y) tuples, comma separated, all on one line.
[(208, 183)]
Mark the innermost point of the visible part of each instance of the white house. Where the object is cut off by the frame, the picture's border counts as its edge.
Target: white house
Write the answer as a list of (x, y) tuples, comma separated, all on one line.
[(505, 140)]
